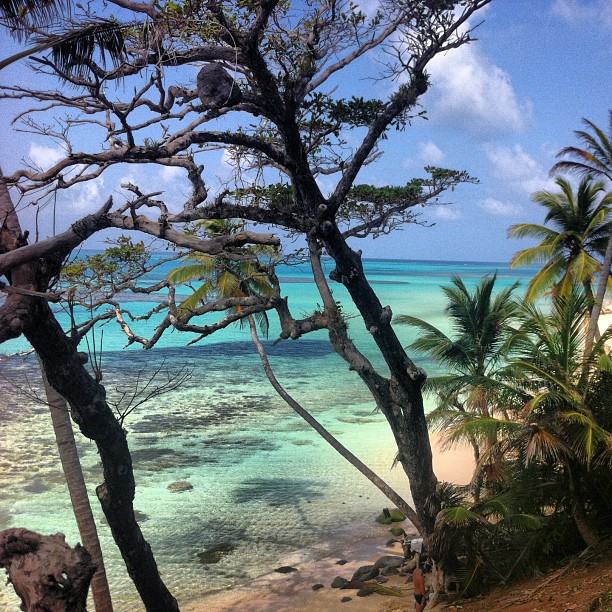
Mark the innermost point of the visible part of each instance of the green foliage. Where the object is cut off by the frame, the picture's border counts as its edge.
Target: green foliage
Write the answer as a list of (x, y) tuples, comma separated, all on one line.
[(105, 272)]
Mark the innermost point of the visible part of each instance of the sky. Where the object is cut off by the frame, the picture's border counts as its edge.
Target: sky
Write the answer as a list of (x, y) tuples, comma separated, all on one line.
[(500, 108)]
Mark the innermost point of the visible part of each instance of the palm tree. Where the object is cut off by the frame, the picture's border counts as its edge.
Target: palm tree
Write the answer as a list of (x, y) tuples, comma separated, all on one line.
[(72, 47), (581, 225), (471, 393), (220, 277), (559, 427), (71, 466), (594, 159)]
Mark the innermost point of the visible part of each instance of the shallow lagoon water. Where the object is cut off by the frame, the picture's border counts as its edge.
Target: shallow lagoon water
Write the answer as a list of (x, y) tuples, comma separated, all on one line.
[(264, 484)]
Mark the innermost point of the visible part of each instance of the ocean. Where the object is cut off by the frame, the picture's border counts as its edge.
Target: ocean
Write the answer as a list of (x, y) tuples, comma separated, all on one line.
[(263, 484)]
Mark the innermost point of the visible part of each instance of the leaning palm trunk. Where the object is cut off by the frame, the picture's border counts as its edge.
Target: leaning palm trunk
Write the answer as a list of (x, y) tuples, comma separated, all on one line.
[(71, 465), (602, 285), (354, 461)]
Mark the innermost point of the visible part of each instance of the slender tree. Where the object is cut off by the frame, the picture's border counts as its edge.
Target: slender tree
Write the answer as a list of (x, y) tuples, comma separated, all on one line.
[(595, 159), (581, 224), (475, 358)]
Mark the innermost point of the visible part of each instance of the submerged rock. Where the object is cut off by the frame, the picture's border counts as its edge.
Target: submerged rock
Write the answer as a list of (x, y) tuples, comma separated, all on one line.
[(341, 562), (214, 555), (318, 586), (179, 486), (396, 531)]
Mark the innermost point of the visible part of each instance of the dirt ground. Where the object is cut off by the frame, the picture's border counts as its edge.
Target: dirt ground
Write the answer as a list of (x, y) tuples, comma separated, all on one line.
[(584, 589)]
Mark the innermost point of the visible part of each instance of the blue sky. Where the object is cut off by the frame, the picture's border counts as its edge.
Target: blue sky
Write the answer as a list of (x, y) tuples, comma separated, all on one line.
[(500, 108)]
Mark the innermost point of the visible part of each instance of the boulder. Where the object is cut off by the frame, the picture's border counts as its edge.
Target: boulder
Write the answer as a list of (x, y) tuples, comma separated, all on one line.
[(214, 555), (339, 582), (389, 571), (365, 572), (389, 561)]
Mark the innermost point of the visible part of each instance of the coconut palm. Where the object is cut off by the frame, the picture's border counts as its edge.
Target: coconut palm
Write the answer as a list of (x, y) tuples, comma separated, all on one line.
[(220, 277), (557, 432), (471, 393), (594, 159), (581, 224)]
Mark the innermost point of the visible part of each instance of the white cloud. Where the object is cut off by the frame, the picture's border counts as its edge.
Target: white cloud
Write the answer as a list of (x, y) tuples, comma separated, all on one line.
[(171, 173), (430, 153), (447, 213), (515, 167), (581, 12), (45, 157), (87, 196), (472, 93), (500, 209)]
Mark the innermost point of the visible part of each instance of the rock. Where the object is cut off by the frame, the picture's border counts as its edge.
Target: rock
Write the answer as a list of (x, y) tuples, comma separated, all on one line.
[(286, 569), (345, 599), (339, 582), (216, 87), (364, 592), (179, 486), (390, 516), (389, 561), (382, 580), (389, 571), (365, 572), (341, 562), (214, 555), (391, 542), (318, 586), (396, 531)]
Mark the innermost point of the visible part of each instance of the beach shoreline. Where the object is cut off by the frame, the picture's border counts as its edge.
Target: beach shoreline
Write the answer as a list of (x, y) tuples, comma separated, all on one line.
[(317, 564)]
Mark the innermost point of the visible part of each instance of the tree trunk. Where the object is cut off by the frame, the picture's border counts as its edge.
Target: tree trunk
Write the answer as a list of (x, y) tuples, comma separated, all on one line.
[(96, 421), (333, 442), (400, 398), (602, 285), (71, 466), (31, 316)]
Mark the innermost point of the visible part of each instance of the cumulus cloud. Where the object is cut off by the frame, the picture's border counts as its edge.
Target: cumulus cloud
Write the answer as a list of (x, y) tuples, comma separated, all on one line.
[(171, 173), (473, 94), (500, 209), (430, 153), (515, 167), (446, 213), (581, 12), (87, 197), (45, 157)]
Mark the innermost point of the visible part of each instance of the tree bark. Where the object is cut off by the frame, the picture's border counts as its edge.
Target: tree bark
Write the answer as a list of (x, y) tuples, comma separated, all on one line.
[(378, 482), (400, 398), (602, 285), (71, 466)]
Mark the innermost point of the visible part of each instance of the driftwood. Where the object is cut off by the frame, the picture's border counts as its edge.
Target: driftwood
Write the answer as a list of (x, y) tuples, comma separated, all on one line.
[(46, 573)]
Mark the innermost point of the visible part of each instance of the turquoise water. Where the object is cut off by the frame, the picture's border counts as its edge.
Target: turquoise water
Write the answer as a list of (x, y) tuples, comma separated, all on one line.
[(263, 482)]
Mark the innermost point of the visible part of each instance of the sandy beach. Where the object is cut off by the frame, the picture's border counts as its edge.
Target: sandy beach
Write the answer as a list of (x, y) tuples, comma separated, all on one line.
[(274, 592)]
